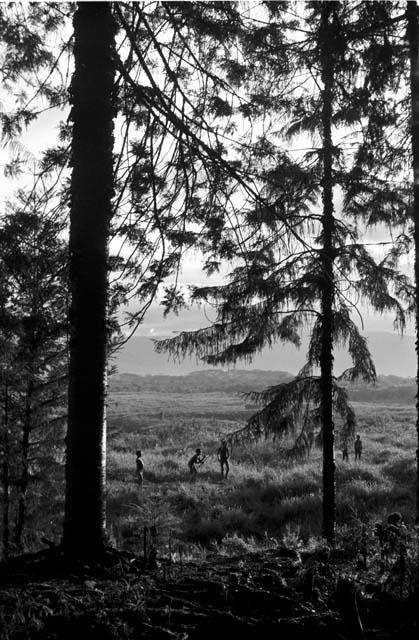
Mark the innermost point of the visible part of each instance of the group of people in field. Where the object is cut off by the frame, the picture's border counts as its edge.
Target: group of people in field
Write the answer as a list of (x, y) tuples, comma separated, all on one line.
[(223, 455), (357, 449)]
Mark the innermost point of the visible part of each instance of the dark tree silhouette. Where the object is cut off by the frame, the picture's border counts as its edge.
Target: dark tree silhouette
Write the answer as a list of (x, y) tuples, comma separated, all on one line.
[(413, 39), (92, 97), (33, 264), (328, 42)]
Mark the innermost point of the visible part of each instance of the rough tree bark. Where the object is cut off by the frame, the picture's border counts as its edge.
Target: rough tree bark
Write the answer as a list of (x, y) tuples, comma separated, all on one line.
[(327, 286), (412, 34), (92, 97)]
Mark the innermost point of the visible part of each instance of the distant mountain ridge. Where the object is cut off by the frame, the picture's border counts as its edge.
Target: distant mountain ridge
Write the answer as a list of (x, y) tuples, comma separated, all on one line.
[(237, 380), (392, 354), (388, 390)]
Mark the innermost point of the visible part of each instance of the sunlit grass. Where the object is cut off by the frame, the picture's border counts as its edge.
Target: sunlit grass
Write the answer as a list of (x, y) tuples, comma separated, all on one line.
[(266, 494)]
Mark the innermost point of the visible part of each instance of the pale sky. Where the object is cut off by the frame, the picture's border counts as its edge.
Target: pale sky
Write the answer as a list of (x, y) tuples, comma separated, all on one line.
[(190, 319)]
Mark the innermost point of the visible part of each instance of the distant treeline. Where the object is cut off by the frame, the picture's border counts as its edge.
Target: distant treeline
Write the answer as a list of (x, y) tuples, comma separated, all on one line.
[(387, 395), (200, 381), (389, 389)]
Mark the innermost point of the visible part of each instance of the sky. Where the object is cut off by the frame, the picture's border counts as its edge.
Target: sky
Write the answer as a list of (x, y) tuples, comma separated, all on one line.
[(155, 325)]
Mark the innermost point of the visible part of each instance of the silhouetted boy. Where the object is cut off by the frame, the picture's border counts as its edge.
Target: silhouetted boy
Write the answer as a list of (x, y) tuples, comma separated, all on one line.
[(345, 453), (358, 447), (196, 459), (223, 455), (140, 468)]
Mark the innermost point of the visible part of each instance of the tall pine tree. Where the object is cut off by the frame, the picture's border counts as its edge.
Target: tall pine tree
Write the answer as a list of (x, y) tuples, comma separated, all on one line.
[(326, 267), (413, 43), (93, 110), (33, 263)]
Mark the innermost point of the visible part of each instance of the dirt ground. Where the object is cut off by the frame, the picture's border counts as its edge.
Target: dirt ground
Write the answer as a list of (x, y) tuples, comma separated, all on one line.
[(272, 594)]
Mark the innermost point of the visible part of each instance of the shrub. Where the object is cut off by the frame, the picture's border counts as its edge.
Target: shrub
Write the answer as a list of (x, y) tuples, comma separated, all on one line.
[(402, 471)]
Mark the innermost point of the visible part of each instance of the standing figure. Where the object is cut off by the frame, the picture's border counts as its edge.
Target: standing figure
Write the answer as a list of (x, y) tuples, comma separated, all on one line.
[(358, 447), (196, 459), (223, 455), (140, 468), (345, 453)]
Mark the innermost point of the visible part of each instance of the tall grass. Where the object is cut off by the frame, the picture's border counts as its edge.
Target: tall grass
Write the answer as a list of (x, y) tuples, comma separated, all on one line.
[(266, 494)]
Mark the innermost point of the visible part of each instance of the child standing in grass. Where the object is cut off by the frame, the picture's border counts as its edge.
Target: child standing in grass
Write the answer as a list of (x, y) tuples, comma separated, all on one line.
[(358, 447), (223, 455), (196, 459), (140, 468)]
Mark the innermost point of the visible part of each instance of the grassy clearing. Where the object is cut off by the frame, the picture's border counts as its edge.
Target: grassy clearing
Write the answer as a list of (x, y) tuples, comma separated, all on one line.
[(265, 495)]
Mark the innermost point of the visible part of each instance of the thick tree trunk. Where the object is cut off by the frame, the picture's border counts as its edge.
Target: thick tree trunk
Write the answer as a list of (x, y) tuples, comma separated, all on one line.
[(327, 295), (412, 31), (92, 95)]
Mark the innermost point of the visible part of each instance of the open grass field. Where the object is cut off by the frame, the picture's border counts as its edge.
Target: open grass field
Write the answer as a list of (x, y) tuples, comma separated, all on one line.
[(265, 496), (246, 550)]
